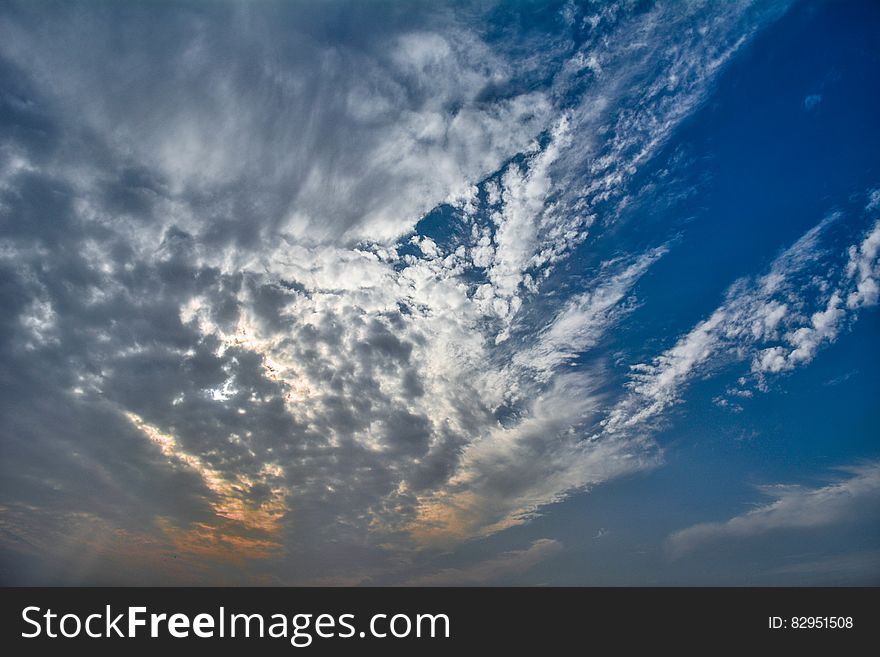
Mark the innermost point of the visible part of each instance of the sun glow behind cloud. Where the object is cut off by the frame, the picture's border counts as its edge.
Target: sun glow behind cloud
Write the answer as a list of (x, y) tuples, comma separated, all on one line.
[(250, 529)]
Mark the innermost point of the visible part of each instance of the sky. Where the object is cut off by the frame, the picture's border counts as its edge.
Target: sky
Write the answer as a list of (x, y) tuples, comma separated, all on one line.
[(439, 293)]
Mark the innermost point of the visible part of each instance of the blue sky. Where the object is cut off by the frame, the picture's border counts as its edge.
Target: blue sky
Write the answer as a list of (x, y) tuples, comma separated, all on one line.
[(572, 293)]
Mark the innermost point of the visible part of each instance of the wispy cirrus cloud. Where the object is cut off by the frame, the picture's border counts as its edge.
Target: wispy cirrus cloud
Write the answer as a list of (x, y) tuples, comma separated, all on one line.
[(793, 507), (777, 321)]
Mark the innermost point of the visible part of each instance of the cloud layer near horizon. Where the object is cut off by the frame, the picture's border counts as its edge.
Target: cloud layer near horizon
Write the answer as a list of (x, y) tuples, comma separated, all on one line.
[(854, 498)]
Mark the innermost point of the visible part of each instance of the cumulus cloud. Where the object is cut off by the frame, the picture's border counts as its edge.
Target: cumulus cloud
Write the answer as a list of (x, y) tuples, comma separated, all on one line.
[(855, 569), (853, 498)]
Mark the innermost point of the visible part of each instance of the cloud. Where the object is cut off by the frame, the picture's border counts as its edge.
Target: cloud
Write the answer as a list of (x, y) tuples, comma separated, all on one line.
[(585, 317), (221, 329), (507, 476), (863, 268), (506, 565), (855, 569), (853, 498), (266, 110), (812, 101), (778, 321), (545, 199)]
